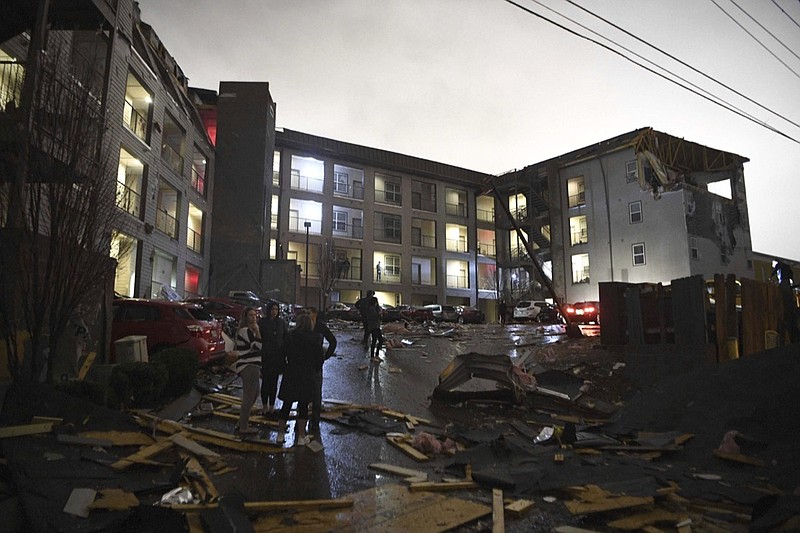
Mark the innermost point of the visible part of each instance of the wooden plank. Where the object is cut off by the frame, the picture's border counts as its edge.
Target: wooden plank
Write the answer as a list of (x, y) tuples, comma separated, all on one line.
[(87, 364), (194, 468), (44, 419), (115, 500), (194, 523), (183, 440), (271, 505), (608, 504), (27, 429), (498, 516), (120, 438), (518, 507), (433, 486), (638, 521), (143, 454), (739, 458), (400, 444), (398, 471)]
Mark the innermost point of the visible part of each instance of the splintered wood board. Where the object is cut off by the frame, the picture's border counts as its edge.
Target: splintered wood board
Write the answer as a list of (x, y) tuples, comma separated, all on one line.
[(386, 508)]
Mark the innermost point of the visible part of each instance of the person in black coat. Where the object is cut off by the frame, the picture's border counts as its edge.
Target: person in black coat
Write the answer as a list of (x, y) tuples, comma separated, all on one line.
[(321, 328), (273, 360), (304, 355), (361, 305)]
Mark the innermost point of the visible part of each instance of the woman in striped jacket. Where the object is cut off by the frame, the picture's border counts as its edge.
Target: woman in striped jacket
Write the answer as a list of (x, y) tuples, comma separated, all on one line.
[(247, 363)]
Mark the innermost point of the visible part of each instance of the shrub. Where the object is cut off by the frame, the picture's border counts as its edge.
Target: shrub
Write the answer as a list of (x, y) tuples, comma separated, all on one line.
[(182, 366), (147, 382), (85, 390)]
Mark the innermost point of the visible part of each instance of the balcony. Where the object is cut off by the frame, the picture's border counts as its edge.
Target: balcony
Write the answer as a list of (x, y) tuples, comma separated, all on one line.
[(388, 196), (577, 200), (194, 241), (198, 182), (580, 236), (135, 121), (487, 249), (166, 223), (424, 241), (346, 190), (457, 245), (128, 199), (485, 215), (306, 183), (352, 231), (173, 158), (457, 282), (459, 210)]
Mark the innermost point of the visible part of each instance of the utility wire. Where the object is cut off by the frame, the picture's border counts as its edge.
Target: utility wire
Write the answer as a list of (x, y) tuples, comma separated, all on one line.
[(785, 13), (763, 28), (660, 75), (715, 97), (755, 38), (721, 84)]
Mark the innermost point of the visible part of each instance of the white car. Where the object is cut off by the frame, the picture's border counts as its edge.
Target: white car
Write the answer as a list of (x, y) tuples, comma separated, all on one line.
[(528, 309)]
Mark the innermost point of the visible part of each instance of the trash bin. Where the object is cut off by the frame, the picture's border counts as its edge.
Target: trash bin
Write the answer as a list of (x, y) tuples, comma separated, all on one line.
[(132, 348)]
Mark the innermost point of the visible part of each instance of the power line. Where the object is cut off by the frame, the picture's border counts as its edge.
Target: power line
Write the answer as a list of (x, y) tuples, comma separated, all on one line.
[(785, 13), (763, 28), (646, 59), (755, 38), (721, 84), (573, 32)]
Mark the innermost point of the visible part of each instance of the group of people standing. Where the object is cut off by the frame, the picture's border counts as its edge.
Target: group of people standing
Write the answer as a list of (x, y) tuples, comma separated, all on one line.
[(267, 349)]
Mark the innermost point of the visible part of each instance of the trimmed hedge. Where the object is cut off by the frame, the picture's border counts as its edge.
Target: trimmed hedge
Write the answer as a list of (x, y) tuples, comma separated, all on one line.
[(182, 366)]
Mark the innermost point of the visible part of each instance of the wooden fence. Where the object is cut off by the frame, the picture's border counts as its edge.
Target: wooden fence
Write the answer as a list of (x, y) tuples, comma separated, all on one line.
[(726, 317)]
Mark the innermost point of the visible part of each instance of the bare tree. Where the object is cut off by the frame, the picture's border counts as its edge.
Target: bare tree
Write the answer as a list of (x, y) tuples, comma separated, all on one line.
[(54, 253), (332, 268)]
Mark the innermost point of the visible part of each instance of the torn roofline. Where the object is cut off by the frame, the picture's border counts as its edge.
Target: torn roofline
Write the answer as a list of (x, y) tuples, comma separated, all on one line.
[(680, 155)]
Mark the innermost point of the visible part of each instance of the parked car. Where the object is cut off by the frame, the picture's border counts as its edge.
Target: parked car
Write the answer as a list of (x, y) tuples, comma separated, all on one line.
[(223, 306), (168, 324), (343, 311), (584, 313), (407, 312), (527, 310), (549, 314), (470, 315), (443, 313)]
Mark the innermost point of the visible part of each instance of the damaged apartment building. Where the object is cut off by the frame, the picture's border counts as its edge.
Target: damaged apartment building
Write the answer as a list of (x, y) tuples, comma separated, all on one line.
[(643, 207)]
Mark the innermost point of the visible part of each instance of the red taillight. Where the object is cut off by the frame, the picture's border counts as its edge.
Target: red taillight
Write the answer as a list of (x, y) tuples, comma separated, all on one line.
[(199, 331), (589, 309), (570, 310)]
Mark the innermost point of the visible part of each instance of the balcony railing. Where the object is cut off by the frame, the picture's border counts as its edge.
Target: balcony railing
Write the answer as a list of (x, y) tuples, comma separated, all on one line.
[(425, 241), (128, 199), (348, 230), (459, 210), (580, 275), (194, 241), (485, 215), (198, 182), (388, 197), (388, 276), (173, 158), (297, 224), (424, 204), (306, 183), (387, 235), (487, 249), (416, 281), (166, 223), (456, 245), (579, 237), (457, 282), (135, 121), (520, 214), (577, 200)]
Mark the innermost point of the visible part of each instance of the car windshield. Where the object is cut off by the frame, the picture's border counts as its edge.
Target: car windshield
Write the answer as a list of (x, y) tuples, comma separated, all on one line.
[(197, 313)]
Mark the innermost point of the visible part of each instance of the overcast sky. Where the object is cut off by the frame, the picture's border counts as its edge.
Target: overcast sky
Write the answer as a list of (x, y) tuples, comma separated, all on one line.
[(483, 85)]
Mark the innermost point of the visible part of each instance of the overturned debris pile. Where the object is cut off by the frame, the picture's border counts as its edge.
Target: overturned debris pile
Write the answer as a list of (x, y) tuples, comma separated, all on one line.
[(512, 382)]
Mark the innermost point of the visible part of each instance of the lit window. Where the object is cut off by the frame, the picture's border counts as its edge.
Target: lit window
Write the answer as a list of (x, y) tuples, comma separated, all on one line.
[(580, 268), (576, 192)]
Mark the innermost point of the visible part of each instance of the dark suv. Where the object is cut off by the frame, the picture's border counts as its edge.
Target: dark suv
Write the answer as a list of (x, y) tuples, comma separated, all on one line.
[(168, 324)]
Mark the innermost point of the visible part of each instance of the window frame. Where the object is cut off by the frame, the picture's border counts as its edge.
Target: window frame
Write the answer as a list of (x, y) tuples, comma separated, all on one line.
[(632, 212), (635, 254)]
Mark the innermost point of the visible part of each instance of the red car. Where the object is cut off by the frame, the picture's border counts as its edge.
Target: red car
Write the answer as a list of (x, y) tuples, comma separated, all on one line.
[(225, 306), (583, 313), (407, 312), (470, 315), (168, 324)]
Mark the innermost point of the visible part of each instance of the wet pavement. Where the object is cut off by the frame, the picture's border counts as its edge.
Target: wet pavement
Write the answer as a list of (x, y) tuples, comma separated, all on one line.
[(403, 382)]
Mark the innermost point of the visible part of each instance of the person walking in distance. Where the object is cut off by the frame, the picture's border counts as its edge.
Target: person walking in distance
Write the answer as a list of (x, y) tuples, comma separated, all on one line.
[(304, 355), (373, 324), (361, 305), (247, 363), (321, 328), (273, 360), (502, 309)]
